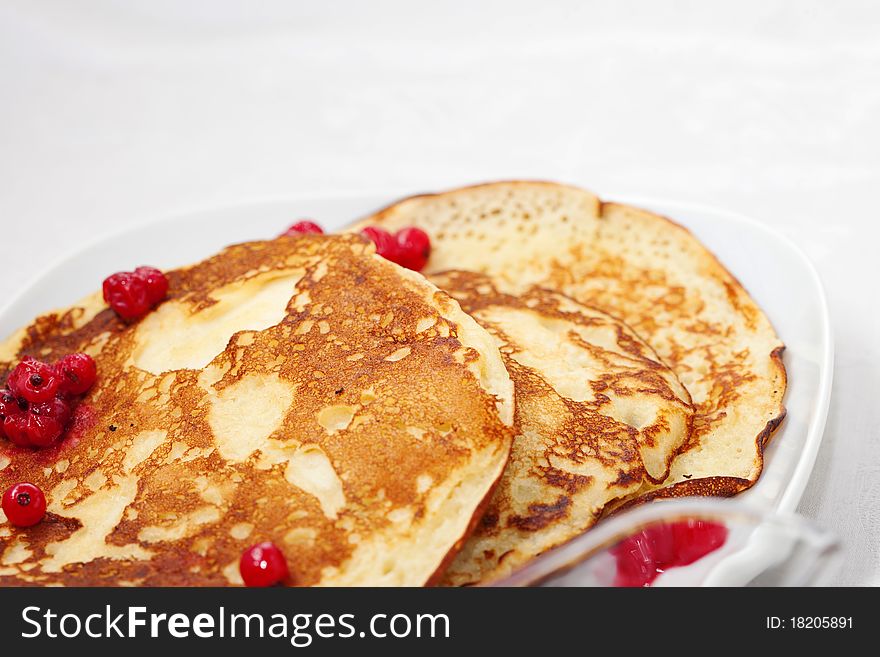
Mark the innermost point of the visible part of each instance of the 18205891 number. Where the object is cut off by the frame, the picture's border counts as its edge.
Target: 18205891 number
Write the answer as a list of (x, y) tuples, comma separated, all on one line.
[(821, 622), (810, 623)]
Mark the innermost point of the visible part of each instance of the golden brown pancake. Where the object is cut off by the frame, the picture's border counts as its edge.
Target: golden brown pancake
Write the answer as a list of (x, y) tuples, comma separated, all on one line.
[(596, 417), (648, 271), (302, 390)]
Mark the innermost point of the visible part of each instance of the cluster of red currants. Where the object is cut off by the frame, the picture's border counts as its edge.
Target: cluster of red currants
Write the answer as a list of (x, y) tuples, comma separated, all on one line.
[(409, 247), (38, 400)]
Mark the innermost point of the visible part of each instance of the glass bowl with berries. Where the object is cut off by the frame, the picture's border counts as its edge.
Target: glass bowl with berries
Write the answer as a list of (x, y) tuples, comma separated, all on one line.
[(689, 542)]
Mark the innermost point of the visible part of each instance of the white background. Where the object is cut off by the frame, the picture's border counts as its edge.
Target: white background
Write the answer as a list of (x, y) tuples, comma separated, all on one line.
[(116, 112)]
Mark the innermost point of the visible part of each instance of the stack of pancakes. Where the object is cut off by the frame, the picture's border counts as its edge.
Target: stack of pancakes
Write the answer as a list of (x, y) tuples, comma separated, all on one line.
[(560, 359)]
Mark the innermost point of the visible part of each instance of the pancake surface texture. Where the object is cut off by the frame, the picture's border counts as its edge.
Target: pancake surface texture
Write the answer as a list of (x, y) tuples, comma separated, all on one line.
[(301, 390), (596, 417), (648, 271)]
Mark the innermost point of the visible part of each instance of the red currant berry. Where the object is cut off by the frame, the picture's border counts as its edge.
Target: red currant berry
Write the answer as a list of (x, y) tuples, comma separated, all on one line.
[(39, 425), (414, 247), (24, 504), (82, 419), (77, 373), (44, 430), (263, 565), (8, 404), (9, 412), (127, 295), (157, 284), (304, 226), (386, 245), (58, 409), (33, 380), (15, 429)]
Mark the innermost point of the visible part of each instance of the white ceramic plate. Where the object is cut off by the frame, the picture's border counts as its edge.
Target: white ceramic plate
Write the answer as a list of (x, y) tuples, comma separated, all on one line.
[(773, 270)]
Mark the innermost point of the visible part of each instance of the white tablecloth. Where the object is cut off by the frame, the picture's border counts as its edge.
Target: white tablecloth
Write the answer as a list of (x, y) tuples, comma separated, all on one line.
[(113, 112)]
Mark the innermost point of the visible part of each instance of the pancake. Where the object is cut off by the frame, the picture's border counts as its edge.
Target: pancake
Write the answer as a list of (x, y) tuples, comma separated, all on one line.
[(644, 269), (303, 391), (596, 417)]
